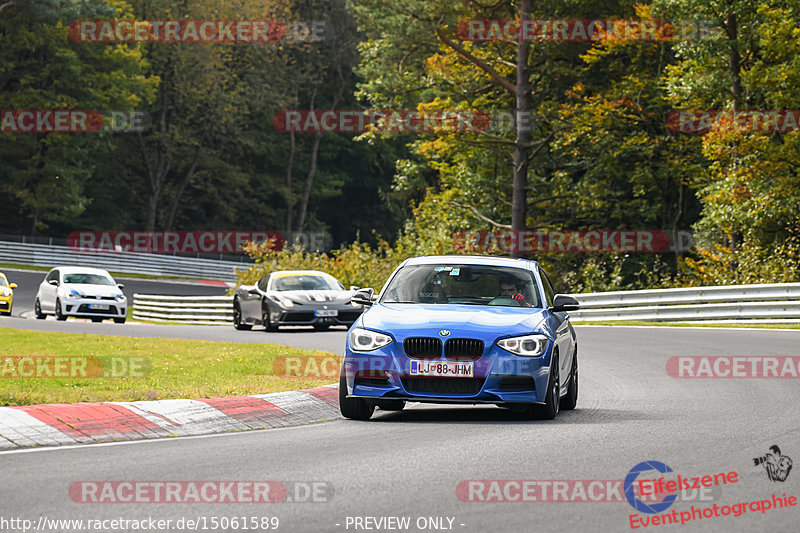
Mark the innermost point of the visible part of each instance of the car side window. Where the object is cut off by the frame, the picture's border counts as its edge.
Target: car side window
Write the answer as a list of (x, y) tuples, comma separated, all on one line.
[(262, 284), (549, 293), (52, 275)]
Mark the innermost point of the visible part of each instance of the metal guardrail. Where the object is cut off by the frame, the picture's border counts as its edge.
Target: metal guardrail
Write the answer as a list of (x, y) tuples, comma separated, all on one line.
[(136, 263), (776, 302), (779, 302), (211, 310)]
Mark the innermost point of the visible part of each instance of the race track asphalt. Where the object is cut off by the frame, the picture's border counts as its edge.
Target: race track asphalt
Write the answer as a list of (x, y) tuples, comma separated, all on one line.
[(410, 463)]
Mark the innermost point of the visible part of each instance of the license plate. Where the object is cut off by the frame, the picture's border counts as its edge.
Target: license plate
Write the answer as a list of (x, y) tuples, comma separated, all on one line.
[(326, 312), (103, 307), (441, 369)]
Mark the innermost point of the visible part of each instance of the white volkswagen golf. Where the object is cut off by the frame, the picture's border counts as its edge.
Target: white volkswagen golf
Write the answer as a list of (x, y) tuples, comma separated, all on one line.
[(81, 292)]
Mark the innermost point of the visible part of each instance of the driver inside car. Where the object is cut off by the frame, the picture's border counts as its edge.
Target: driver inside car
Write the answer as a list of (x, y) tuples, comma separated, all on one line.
[(511, 288)]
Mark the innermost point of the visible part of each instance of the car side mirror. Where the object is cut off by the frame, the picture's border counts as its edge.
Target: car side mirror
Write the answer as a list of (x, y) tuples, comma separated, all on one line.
[(53, 282), (363, 297), (13, 285), (354, 287), (562, 302), (121, 286), (253, 291)]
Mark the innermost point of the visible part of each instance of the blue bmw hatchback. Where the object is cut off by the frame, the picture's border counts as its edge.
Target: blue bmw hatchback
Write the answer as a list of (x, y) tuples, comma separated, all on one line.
[(462, 329)]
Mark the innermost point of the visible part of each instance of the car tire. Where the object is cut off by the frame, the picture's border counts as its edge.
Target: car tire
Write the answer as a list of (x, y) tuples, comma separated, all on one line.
[(119, 320), (59, 314), (322, 327), (237, 318), (569, 401), (96, 319), (391, 405), (353, 408), (268, 325), (549, 410), (37, 310)]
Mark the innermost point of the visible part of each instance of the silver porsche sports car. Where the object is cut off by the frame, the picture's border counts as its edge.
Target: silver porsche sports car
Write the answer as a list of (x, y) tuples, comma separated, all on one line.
[(294, 298)]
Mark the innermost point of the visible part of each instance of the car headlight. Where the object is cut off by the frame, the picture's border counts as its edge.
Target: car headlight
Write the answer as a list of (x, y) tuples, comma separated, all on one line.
[(5, 292), (120, 297), (282, 301), (73, 294), (285, 302), (527, 345), (364, 340)]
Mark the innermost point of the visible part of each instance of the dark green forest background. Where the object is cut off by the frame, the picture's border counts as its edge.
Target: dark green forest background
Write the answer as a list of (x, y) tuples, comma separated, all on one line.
[(600, 154)]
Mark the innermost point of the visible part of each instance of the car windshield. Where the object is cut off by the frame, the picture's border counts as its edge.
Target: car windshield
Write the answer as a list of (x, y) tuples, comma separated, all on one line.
[(463, 284), (88, 279), (306, 283), (3, 282)]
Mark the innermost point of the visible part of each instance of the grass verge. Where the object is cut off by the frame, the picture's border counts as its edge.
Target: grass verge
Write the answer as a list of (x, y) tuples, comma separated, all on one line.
[(177, 368), (682, 324)]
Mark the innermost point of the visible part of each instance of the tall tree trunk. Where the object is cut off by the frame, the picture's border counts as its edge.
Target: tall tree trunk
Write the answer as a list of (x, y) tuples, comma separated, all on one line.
[(312, 171), (734, 65), (290, 201), (523, 130), (34, 221), (156, 172), (173, 210)]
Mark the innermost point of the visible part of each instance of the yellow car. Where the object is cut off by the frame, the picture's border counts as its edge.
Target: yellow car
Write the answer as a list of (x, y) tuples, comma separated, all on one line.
[(6, 295)]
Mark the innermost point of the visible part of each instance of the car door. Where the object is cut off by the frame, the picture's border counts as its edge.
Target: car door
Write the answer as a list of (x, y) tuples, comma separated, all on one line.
[(565, 338), (251, 300), (47, 292)]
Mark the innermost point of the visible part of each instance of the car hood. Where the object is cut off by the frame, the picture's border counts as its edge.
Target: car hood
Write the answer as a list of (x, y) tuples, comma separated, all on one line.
[(304, 297), (487, 322), (89, 289)]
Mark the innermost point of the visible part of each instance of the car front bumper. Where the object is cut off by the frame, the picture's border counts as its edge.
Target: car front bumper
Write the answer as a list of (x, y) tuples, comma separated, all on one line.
[(6, 302), (499, 377), (88, 307), (308, 316)]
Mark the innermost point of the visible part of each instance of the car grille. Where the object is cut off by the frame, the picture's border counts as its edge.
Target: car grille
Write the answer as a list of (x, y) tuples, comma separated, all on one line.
[(468, 386), (112, 309), (463, 349), (510, 383), (423, 347), (3, 305)]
